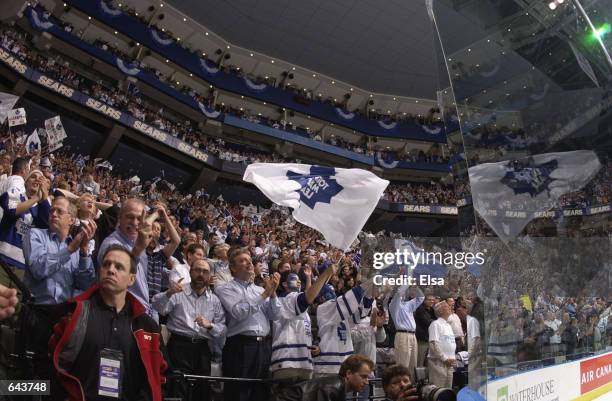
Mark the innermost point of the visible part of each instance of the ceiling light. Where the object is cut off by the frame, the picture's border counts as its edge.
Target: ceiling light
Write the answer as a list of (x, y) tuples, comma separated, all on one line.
[(552, 5), (191, 75), (206, 34), (293, 68), (184, 19), (166, 60), (228, 46), (394, 99), (314, 75), (333, 82), (251, 54), (272, 61)]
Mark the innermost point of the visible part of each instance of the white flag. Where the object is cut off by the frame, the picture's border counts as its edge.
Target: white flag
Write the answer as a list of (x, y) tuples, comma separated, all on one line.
[(55, 125), (7, 102), (509, 194), (33, 143), (16, 117), (335, 201)]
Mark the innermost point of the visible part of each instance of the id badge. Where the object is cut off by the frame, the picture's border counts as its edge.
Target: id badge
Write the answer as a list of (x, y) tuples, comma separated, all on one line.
[(109, 384)]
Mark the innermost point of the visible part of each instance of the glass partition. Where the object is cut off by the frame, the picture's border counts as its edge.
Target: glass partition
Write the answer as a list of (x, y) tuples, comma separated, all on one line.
[(528, 113)]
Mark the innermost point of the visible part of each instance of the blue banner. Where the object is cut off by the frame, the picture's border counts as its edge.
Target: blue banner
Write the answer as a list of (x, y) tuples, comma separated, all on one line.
[(152, 80), (191, 61)]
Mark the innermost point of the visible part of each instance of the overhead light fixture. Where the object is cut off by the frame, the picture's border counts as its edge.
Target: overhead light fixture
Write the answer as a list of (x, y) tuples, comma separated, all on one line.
[(206, 34), (184, 19), (314, 75), (251, 54), (272, 61), (228, 46), (552, 5)]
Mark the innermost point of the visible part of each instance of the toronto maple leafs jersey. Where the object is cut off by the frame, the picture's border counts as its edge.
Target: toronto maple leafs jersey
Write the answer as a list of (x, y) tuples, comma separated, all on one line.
[(292, 337), (15, 228), (335, 319)]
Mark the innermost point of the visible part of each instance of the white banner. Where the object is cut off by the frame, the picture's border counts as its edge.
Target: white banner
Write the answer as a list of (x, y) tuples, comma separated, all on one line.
[(17, 117), (55, 124)]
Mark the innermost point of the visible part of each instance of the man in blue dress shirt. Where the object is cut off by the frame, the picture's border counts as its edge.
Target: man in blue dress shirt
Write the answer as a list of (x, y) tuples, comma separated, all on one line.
[(58, 267), (248, 311), (402, 312), (131, 221)]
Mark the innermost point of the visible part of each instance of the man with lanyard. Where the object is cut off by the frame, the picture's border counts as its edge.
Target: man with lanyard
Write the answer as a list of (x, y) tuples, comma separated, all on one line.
[(107, 347), (248, 310), (195, 317)]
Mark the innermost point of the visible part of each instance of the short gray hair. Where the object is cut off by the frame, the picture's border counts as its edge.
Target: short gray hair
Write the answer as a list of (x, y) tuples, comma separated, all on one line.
[(438, 306)]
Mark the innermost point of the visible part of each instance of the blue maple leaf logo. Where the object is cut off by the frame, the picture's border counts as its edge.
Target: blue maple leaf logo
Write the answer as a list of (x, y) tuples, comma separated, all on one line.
[(318, 186), (529, 177)]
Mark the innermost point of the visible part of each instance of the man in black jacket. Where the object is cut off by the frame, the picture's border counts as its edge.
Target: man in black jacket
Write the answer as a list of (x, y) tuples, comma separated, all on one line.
[(423, 317), (352, 378)]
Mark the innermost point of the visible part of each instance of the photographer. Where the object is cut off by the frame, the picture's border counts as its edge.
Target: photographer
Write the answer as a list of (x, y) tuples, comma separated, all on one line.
[(397, 385)]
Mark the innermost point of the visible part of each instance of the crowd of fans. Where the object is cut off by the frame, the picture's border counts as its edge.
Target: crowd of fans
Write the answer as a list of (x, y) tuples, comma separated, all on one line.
[(215, 274), (421, 194), (122, 99)]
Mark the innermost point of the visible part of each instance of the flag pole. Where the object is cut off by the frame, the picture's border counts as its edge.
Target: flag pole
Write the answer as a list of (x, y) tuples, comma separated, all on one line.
[(12, 140)]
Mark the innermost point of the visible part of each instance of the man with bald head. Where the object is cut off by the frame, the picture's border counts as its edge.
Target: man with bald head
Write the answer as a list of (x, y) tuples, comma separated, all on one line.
[(132, 223), (195, 317)]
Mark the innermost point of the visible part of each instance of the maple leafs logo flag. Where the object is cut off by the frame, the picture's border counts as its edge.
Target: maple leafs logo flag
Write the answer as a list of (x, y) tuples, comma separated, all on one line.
[(337, 202), (510, 194)]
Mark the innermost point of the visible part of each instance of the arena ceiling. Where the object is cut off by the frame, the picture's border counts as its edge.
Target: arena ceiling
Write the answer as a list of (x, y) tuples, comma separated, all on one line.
[(379, 46)]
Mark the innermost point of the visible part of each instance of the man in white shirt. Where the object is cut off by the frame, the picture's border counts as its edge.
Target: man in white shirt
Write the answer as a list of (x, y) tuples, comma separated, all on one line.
[(554, 324), (441, 356)]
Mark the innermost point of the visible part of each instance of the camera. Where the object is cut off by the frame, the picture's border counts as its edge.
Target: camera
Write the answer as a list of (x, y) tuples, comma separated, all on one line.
[(431, 392)]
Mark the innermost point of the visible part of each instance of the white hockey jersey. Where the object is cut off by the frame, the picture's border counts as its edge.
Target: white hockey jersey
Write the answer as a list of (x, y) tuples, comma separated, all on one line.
[(292, 337), (335, 319)]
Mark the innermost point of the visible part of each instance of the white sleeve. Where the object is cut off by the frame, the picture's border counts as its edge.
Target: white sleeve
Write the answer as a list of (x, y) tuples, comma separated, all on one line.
[(473, 328), (290, 307), (434, 332), (344, 308), (15, 189)]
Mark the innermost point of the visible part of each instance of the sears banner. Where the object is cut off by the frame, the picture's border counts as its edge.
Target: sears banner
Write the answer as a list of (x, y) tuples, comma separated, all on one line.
[(102, 108), (588, 211)]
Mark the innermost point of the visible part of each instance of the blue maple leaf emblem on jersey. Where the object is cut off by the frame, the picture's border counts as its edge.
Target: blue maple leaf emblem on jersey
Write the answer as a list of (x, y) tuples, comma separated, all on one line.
[(529, 177), (318, 186)]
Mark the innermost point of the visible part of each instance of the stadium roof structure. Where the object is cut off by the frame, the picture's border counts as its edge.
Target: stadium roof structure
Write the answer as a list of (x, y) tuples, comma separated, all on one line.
[(383, 47)]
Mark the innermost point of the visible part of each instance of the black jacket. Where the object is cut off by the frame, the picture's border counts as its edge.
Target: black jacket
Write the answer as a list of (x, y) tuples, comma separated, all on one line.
[(319, 389), (423, 318)]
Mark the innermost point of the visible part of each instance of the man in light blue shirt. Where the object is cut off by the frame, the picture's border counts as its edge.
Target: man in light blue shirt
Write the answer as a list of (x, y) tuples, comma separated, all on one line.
[(131, 220), (248, 310), (195, 316), (58, 267), (402, 312)]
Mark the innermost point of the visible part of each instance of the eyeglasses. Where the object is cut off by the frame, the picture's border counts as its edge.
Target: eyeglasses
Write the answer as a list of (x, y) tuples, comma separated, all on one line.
[(60, 212)]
